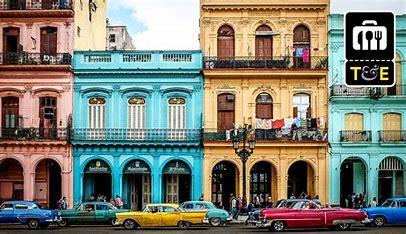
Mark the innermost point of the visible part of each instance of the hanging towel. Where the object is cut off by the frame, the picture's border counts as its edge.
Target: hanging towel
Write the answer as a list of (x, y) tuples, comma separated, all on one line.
[(299, 52), (306, 55), (279, 123)]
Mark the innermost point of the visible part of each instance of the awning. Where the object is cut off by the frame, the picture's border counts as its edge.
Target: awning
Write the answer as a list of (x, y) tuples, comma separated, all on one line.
[(137, 167)]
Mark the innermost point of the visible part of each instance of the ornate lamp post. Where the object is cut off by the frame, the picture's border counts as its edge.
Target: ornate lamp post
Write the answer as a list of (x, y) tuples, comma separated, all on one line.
[(244, 135)]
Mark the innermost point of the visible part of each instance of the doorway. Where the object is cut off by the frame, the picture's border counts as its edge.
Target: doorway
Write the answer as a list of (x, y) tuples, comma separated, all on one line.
[(11, 180), (136, 184), (223, 184), (300, 180), (11, 42), (177, 182), (48, 183), (352, 180), (97, 180)]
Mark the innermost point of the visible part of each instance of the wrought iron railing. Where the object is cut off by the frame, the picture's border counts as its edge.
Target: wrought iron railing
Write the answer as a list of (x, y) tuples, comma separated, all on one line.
[(24, 58), (300, 134), (345, 91), (35, 5), (392, 136), (283, 62), (355, 136), (141, 135), (34, 134)]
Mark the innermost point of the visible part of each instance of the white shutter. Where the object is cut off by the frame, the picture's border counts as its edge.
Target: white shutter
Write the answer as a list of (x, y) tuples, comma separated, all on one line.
[(136, 119), (96, 120), (177, 120)]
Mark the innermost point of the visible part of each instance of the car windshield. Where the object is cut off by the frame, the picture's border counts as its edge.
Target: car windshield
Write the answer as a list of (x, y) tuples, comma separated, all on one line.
[(209, 205), (389, 203), (37, 206)]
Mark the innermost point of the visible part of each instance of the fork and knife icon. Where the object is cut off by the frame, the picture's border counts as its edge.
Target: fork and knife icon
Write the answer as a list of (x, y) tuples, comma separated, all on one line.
[(369, 36)]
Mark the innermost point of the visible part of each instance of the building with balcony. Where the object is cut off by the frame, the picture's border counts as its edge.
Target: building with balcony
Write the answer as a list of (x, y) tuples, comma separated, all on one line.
[(366, 127), (265, 65), (36, 80), (137, 126)]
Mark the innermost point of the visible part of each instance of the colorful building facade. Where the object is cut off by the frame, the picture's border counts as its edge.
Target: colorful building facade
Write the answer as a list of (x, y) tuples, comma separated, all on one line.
[(137, 126), (36, 83), (366, 127), (265, 65)]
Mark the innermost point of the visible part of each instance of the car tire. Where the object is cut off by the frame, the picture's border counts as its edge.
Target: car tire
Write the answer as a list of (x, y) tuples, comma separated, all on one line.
[(112, 222), (278, 226), (130, 224), (63, 223), (379, 221), (215, 221), (183, 225), (343, 226), (33, 224)]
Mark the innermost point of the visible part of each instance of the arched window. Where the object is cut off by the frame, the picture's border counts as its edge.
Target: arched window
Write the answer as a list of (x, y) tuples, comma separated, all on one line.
[(397, 88), (264, 106), (301, 45), (97, 112), (301, 106), (225, 42), (225, 111), (263, 42)]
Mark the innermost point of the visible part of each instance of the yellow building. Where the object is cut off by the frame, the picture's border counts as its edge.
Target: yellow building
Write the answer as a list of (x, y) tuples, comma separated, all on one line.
[(265, 65), (90, 24)]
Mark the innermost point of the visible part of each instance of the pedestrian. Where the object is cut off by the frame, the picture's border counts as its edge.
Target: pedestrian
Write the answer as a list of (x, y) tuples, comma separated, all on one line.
[(64, 204), (353, 200), (361, 200), (239, 205), (119, 202), (269, 203), (113, 202), (256, 202), (234, 207), (230, 202), (373, 203)]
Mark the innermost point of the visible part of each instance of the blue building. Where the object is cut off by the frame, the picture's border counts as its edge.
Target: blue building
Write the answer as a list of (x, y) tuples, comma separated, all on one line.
[(137, 126), (367, 127)]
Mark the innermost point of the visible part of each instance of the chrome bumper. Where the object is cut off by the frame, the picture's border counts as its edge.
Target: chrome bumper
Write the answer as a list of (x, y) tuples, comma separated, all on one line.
[(206, 221), (56, 219), (263, 223), (367, 220)]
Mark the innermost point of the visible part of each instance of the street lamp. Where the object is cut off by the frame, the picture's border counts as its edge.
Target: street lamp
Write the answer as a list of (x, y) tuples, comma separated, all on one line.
[(242, 136)]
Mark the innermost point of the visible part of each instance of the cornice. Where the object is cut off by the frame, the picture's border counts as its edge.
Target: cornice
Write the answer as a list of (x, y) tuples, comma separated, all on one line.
[(265, 7), (153, 73), (36, 68), (36, 13)]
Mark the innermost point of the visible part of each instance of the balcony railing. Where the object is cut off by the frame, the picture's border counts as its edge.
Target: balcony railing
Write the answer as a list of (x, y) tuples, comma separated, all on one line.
[(285, 62), (23, 58), (392, 136), (33, 134), (35, 5), (297, 135), (136, 135), (355, 136), (344, 91)]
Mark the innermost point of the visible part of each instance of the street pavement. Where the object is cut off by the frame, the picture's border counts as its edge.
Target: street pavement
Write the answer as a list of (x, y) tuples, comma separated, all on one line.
[(233, 228)]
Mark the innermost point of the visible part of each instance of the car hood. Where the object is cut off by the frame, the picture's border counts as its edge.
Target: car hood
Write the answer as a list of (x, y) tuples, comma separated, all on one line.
[(216, 210)]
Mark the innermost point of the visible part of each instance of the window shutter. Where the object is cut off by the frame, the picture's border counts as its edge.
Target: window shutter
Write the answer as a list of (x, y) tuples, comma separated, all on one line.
[(309, 112), (295, 112)]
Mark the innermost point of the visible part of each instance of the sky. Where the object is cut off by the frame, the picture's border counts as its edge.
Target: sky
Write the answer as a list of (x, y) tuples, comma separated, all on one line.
[(174, 24)]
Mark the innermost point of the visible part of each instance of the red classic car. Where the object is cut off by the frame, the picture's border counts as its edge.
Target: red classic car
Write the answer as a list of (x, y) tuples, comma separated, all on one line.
[(308, 214)]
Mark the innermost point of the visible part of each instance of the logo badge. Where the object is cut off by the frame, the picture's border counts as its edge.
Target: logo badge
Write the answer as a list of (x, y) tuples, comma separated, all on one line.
[(369, 49)]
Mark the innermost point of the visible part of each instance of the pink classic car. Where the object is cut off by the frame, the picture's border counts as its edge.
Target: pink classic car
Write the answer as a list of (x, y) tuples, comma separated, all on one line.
[(309, 215)]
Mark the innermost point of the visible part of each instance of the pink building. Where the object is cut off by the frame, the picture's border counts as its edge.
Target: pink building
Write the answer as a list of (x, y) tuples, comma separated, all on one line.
[(36, 100)]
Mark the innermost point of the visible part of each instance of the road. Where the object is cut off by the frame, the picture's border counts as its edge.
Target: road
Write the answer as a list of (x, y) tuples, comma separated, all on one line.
[(234, 228)]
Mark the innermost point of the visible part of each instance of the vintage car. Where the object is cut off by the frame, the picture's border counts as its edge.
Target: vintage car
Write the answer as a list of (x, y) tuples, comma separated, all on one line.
[(215, 216), (90, 213), (393, 210), (160, 215), (27, 212), (308, 214)]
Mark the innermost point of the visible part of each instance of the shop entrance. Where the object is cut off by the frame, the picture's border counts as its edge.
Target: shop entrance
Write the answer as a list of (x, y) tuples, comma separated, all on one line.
[(300, 180), (177, 182), (97, 181), (263, 182), (223, 184), (352, 180), (136, 185), (48, 183)]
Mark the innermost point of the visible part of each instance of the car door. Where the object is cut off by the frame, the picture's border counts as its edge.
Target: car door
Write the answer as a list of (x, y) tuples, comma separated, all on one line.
[(402, 211), (397, 213), (310, 216), (6, 213), (20, 212), (86, 213), (102, 213), (170, 216), (151, 217)]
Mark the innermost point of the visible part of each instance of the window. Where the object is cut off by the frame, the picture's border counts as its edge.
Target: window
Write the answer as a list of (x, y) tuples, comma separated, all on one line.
[(10, 113), (21, 206), (177, 118), (88, 207), (48, 112), (301, 45), (354, 122), (263, 42), (392, 125), (7, 206), (188, 206), (103, 207), (225, 111), (97, 116), (168, 209), (48, 43), (225, 42), (112, 38), (301, 106), (402, 204), (136, 118), (264, 107)]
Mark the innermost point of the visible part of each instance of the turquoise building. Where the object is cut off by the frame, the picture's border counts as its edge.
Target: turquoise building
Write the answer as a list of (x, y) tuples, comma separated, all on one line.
[(367, 127), (137, 126)]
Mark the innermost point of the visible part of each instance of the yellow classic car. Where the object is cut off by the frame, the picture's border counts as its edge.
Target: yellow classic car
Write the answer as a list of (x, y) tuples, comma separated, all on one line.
[(160, 215)]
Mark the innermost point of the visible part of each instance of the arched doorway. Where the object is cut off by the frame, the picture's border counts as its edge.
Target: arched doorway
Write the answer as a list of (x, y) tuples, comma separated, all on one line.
[(223, 183), (263, 181), (301, 45), (48, 183), (263, 42), (136, 184), (225, 42), (391, 181), (352, 180), (300, 180), (97, 180), (177, 181), (11, 180)]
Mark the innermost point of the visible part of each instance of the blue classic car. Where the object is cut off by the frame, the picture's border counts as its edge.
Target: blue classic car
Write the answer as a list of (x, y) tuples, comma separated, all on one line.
[(26, 212), (214, 216), (393, 210)]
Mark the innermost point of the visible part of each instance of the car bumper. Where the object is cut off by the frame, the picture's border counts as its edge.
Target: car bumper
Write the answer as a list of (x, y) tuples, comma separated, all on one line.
[(262, 223), (207, 221), (367, 221), (54, 220)]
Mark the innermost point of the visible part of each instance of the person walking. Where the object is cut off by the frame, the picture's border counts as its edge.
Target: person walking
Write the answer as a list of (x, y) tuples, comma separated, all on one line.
[(234, 207), (64, 204), (119, 202)]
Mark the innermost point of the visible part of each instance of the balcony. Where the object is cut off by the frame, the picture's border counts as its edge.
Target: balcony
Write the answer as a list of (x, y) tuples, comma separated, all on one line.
[(272, 135), (354, 136), (24, 58), (34, 134), (392, 136), (136, 136), (285, 62), (374, 93), (35, 5)]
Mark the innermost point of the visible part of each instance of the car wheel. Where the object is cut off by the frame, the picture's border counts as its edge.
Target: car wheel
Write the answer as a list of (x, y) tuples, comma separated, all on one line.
[(62, 223), (278, 226), (183, 225), (33, 224), (343, 226), (129, 224), (113, 221), (215, 221), (379, 221)]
